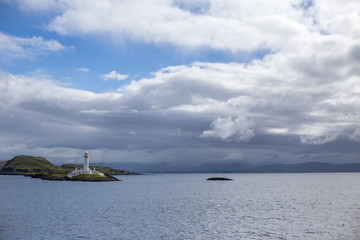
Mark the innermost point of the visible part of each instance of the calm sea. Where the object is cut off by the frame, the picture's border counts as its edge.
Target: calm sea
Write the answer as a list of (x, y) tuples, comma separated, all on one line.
[(183, 206)]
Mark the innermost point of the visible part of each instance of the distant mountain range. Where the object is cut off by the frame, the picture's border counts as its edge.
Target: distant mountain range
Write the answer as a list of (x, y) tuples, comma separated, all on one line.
[(29, 165), (234, 167)]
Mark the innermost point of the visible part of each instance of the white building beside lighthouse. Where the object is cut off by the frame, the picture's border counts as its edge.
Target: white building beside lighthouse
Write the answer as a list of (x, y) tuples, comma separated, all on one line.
[(86, 169)]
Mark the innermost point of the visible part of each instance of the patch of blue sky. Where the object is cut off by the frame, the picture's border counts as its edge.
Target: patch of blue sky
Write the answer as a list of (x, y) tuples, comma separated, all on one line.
[(138, 60), (23, 24), (306, 4), (194, 7)]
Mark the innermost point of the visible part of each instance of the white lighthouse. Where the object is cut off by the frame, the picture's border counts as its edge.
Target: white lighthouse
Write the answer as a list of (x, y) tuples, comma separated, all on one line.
[(86, 169), (86, 162)]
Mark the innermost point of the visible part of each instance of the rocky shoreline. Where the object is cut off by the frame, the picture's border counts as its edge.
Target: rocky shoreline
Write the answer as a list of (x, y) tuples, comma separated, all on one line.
[(84, 178)]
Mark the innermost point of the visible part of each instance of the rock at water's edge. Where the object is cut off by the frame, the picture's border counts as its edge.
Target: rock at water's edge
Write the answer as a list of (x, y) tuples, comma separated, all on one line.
[(106, 178)]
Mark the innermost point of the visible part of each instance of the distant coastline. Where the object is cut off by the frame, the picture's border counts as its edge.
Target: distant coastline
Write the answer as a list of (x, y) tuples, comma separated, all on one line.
[(134, 168), (238, 167)]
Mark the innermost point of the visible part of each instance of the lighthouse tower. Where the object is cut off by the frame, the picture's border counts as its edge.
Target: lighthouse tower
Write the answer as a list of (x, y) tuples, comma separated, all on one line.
[(86, 162), (85, 169)]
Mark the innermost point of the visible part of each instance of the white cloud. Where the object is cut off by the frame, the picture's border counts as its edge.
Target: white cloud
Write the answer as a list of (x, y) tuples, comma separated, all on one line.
[(82, 69), (230, 25), (223, 25), (113, 75), (225, 128), (320, 133), (355, 135), (277, 130), (16, 47)]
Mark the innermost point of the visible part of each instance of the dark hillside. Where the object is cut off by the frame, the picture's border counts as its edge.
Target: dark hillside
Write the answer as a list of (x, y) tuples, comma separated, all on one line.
[(2, 164), (27, 164)]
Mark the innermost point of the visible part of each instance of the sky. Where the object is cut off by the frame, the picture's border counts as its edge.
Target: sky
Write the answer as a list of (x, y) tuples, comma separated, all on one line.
[(180, 81)]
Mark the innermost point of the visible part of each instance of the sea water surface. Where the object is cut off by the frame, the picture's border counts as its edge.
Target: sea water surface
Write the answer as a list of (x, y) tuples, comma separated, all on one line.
[(183, 206)]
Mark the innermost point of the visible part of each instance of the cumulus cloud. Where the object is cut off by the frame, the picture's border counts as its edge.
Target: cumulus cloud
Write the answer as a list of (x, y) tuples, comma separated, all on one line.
[(16, 47), (231, 130), (222, 25), (113, 75), (281, 99), (230, 25), (301, 100)]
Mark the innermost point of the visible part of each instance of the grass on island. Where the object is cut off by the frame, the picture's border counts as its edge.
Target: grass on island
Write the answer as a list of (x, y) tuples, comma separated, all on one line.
[(105, 170), (60, 175), (89, 176)]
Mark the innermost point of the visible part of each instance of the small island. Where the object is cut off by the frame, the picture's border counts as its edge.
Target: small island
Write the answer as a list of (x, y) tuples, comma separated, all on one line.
[(38, 167), (219, 179)]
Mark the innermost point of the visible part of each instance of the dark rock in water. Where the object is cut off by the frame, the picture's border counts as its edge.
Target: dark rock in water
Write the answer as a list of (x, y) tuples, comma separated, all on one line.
[(219, 179)]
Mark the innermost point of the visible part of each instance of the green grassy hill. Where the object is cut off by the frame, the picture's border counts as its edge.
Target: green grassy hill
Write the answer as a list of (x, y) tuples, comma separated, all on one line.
[(28, 165)]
